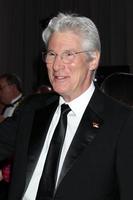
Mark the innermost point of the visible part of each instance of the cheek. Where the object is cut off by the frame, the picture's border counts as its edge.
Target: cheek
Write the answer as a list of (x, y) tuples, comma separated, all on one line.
[(50, 72), (5, 95), (48, 69), (81, 75), (78, 70), (75, 77)]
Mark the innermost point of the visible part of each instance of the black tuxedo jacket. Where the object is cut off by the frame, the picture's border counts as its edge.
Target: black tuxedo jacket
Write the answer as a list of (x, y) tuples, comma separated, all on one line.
[(99, 162)]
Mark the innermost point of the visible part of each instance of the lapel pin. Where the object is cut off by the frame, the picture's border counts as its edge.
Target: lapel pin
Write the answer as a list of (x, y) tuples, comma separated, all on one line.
[(95, 124)]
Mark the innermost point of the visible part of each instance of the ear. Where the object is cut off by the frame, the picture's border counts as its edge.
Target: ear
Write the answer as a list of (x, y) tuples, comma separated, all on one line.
[(93, 63)]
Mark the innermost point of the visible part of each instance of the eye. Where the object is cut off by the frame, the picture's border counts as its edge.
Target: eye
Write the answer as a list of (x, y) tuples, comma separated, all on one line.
[(68, 56), (69, 53), (51, 54)]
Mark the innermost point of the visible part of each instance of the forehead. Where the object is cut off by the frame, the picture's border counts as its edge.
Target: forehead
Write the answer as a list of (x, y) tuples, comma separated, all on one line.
[(64, 40)]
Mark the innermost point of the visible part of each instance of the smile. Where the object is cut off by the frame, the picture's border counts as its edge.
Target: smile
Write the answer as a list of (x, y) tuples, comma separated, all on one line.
[(60, 77)]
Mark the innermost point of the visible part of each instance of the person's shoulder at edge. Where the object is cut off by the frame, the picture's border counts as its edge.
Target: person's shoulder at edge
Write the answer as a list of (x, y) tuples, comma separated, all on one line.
[(111, 102), (37, 101)]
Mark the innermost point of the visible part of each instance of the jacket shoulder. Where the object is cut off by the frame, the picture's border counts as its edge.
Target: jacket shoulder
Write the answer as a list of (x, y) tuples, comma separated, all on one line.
[(37, 101)]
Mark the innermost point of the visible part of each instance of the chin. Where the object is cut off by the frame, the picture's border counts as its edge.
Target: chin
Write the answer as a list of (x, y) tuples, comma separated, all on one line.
[(59, 91), (59, 88)]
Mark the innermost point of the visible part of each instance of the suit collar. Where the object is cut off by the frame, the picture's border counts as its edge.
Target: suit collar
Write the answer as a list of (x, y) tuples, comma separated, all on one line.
[(17, 99), (97, 102)]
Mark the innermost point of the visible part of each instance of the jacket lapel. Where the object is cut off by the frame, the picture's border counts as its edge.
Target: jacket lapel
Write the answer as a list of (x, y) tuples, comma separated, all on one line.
[(40, 127), (89, 127)]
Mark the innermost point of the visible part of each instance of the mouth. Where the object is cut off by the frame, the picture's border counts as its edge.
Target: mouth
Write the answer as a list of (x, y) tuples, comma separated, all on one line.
[(60, 78)]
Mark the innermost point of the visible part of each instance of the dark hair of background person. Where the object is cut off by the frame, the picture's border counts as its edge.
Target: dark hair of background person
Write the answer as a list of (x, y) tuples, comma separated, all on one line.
[(12, 78)]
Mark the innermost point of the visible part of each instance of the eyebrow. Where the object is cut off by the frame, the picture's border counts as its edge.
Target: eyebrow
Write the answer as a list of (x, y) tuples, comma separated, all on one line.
[(74, 50)]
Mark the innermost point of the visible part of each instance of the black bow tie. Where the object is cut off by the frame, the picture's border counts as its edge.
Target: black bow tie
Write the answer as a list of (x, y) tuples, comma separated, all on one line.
[(9, 105)]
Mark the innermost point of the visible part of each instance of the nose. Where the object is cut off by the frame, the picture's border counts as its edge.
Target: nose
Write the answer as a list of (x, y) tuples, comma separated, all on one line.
[(58, 63)]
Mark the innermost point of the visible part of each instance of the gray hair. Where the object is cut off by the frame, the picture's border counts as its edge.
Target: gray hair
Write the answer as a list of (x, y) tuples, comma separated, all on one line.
[(82, 26)]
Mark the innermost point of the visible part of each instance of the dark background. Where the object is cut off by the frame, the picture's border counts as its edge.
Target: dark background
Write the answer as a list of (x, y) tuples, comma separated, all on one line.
[(21, 27)]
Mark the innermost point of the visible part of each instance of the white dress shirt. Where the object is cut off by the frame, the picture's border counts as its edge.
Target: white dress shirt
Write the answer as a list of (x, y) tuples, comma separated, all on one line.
[(78, 107)]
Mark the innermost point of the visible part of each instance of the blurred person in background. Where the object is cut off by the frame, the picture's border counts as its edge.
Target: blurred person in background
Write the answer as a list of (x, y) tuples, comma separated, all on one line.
[(11, 94)]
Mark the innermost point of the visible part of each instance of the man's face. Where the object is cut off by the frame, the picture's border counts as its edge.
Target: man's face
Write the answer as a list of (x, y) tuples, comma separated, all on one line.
[(5, 91), (69, 79)]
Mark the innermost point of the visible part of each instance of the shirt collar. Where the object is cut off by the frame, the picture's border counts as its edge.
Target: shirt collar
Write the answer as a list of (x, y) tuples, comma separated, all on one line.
[(17, 98), (79, 104)]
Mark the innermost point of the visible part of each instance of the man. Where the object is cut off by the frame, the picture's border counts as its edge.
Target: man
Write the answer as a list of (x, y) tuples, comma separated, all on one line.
[(95, 161), (10, 92)]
